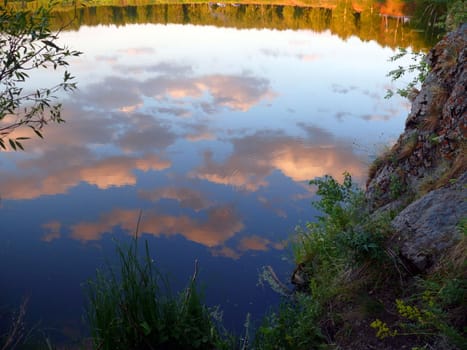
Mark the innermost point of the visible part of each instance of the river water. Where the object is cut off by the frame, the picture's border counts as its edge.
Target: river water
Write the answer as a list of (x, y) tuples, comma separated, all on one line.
[(210, 122)]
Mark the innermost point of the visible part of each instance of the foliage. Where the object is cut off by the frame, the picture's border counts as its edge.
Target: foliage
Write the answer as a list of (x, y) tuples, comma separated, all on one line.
[(396, 187), (131, 307), (27, 44), (346, 253), (345, 234), (382, 329), (457, 14), (434, 309), (463, 225), (430, 320), (342, 239), (419, 69), (295, 326), (437, 17)]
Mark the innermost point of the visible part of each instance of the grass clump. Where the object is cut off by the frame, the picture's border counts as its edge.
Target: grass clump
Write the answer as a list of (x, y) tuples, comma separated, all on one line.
[(16, 333), (131, 307)]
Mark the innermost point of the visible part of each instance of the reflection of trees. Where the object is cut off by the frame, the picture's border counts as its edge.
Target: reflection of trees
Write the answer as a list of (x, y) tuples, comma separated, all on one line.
[(367, 19)]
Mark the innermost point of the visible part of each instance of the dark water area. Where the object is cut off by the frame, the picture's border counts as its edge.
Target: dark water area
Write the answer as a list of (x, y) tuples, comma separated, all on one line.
[(213, 132)]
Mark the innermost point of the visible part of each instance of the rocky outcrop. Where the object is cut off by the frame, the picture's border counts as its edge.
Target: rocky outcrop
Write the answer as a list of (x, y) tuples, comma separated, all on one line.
[(424, 174)]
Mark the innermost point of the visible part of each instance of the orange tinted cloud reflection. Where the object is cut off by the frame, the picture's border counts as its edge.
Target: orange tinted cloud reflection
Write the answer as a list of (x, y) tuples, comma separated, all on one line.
[(250, 243), (236, 92), (187, 197), (50, 179), (255, 157), (68, 156), (100, 115), (221, 223), (272, 205), (52, 231), (254, 243), (225, 252)]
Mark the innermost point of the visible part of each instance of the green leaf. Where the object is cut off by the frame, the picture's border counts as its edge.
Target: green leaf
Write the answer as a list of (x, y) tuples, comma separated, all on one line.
[(50, 43), (19, 145), (37, 132), (12, 144), (146, 328)]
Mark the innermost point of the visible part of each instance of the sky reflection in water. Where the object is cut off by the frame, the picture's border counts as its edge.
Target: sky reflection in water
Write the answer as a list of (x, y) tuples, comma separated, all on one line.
[(213, 133)]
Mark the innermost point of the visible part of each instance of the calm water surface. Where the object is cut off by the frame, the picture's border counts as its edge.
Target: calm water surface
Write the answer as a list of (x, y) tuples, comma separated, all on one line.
[(212, 132)]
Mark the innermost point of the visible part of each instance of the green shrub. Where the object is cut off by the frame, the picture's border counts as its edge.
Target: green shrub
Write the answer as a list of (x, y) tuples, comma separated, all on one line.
[(342, 239), (345, 233)]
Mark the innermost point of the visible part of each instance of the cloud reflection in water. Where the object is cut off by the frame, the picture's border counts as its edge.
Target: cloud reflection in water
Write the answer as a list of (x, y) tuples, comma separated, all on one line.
[(204, 118), (255, 157), (220, 224)]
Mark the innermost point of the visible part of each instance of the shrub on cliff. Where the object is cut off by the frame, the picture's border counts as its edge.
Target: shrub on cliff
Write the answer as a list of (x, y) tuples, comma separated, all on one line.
[(345, 235), (354, 291), (339, 253)]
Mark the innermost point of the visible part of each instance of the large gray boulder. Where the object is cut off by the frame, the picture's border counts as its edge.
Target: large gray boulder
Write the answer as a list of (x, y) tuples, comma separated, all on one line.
[(430, 225)]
